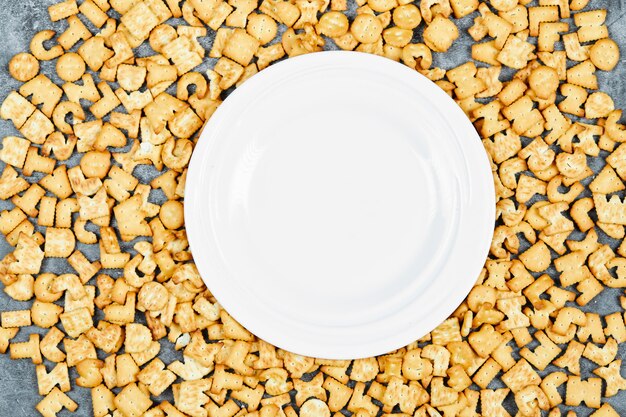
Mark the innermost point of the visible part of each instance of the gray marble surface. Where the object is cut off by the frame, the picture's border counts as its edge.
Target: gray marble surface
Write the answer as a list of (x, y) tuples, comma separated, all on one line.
[(21, 19)]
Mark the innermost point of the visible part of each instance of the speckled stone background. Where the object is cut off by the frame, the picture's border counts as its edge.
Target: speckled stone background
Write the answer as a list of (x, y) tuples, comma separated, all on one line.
[(21, 19)]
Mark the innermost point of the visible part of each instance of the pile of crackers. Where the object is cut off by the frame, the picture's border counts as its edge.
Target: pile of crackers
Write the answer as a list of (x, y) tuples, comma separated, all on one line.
[(541, 127)]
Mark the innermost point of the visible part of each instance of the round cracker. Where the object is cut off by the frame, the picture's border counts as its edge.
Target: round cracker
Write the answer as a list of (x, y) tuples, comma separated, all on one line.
[(96, 164), (70, 67), (504, 5), (171, 214), (153, 296), (604, 54), (366, 28), (544, 81), (23, 67), (598, 105), (407, 16), (314, 408), (333, 24), (262, 27)]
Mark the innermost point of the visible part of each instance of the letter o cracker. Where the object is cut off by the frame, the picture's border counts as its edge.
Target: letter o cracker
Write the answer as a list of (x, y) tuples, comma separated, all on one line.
[(604, 54), (598, 105), (504, 5), (333, 24), (407, 16), (23, 67), (544, 81), (171, 214), (70, 67), (397, 37), (96, 164), (366, 28), (153, 296), (381, 6), (262, 27), (314, 408)]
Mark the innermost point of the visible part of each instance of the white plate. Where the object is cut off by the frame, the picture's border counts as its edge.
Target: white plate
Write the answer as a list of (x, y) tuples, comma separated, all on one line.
[(339, 205)]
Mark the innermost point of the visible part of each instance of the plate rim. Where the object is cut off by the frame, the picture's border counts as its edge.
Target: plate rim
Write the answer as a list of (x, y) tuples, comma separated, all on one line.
[(455, 116)]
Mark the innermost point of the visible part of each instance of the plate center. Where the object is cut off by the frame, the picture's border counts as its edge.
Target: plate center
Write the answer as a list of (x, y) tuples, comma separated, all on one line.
[(342, 211)]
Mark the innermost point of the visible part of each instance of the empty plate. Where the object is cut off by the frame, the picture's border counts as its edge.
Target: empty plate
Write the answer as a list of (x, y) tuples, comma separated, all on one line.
[(339, 205)]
